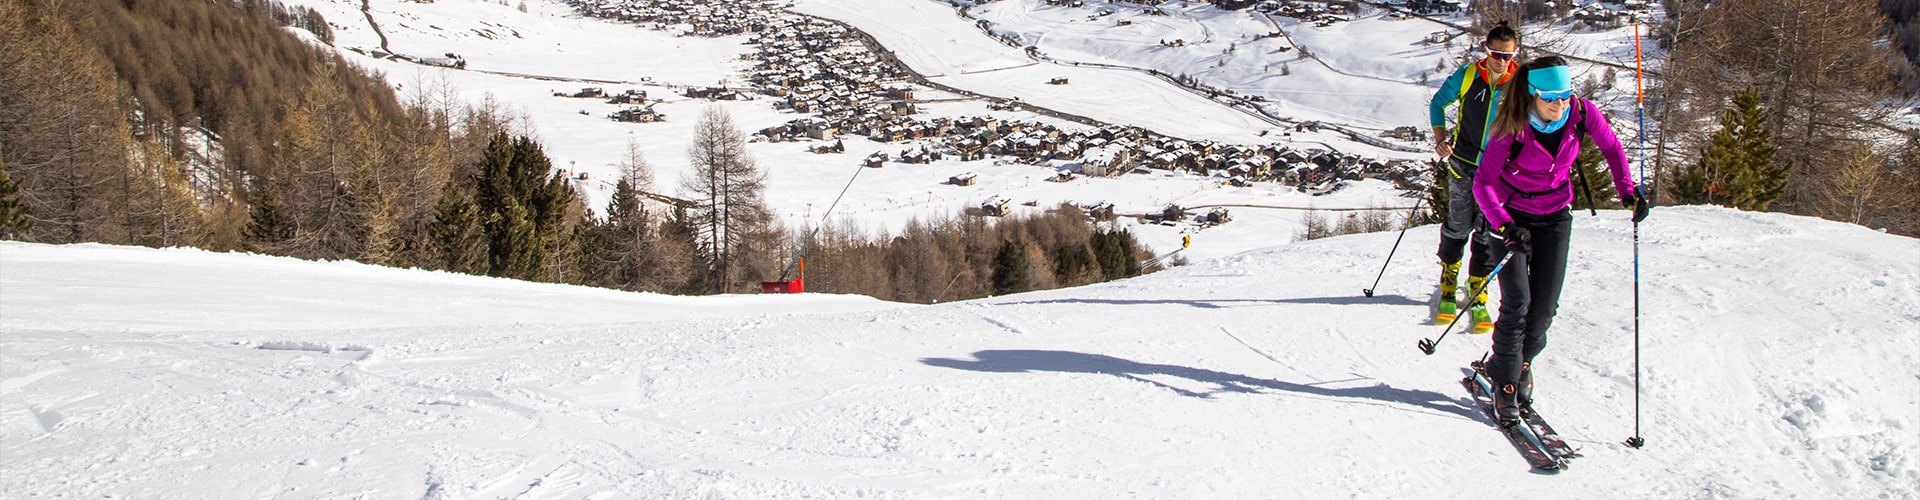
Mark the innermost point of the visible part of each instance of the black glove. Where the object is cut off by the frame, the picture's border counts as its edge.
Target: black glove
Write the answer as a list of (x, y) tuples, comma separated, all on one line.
[(1516, 238), (1638, 204)]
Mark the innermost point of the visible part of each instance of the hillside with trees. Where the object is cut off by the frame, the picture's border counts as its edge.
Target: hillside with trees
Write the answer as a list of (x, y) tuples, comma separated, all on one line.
[(206, 124), (1782, 105)]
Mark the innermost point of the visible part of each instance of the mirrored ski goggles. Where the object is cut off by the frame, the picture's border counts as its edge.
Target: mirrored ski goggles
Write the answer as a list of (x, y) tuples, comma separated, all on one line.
[(1551, 95), (1503, 56)]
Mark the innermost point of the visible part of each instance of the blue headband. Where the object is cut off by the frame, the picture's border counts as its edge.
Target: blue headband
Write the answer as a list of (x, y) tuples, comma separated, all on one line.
[(1550, 79)]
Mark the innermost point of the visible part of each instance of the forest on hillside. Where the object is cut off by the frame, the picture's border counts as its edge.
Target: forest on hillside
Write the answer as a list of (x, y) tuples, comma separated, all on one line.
[(205, 124)]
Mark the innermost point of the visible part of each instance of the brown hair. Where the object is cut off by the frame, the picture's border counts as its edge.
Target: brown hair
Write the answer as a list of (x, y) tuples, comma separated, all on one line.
[(1511, 118), (1502, 32)]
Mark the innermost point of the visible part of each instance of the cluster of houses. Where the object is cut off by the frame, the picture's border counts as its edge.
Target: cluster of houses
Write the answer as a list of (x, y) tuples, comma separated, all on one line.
[(1611, 14), (703, 17), (815, 67), (1320, 13), (823, 70), (637, 109), (1432, 7), (1107, 151), (810, 66)]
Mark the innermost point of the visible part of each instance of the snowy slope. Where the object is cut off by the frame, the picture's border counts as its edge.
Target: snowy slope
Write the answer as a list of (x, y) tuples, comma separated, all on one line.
[(1778, 352)]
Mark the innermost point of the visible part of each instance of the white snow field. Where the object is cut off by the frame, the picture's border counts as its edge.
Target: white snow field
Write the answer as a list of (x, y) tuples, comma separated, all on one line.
[(1778, 357)]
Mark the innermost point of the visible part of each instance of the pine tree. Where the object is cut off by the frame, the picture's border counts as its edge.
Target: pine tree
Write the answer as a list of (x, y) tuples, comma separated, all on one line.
[(594, 256), (629, 239), (457, 233), (522, 206), (1737, 168), (1075, 264), (1010, 269), (1437, 193), (1115, 252), (268, 224), (1599, 179), (683, 256), (13, 213)]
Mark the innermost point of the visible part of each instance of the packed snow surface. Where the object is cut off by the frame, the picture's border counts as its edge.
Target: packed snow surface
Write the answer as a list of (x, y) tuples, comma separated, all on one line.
[(1777, 354)]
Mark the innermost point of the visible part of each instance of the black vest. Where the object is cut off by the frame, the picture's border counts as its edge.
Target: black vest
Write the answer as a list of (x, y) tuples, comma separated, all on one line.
[(1470, 138)]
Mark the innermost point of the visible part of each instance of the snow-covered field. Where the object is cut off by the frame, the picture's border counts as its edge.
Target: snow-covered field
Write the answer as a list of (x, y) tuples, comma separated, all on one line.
[(1778, 359), (1778, 353)]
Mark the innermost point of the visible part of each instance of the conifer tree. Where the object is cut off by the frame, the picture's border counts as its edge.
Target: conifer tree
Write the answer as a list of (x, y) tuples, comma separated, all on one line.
[(522, 206), (628, 239), (682, 255), (1010, 269), (1116, 253), (1736, 169), (1074, 264), (1599, 179), (457, 233), (13, 213), (268, 223), (1437, 192), (590, 262)]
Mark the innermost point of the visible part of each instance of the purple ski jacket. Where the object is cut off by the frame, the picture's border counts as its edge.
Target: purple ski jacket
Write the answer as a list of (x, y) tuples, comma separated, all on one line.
[(1548, 177)]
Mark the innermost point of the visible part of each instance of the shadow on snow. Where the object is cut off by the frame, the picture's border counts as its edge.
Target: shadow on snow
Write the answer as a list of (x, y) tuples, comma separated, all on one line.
[(1031, 361), (1391, 300)]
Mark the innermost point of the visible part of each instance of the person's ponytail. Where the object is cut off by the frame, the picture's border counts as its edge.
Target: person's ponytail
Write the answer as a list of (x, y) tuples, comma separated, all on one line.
[(1502, 33)]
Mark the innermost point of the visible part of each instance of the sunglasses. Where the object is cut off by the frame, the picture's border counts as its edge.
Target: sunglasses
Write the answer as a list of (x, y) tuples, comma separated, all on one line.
[(1552, 95), (1504, 56)]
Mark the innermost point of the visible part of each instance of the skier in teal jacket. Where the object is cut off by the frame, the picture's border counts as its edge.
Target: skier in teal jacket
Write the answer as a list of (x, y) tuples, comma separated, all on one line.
[(1477, 87)]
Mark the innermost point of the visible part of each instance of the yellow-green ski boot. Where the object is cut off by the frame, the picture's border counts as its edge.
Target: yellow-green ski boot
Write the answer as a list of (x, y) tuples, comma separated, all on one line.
[(1482, 320), (1449, 293)]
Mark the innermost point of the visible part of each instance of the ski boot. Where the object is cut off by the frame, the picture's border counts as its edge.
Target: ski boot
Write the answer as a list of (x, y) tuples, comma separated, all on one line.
[(1506, 408), (1482, 320), (1449, 292), (1523, 392)]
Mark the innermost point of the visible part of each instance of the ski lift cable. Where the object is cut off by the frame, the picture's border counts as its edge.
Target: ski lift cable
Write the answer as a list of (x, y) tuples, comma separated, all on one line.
[(788, 269)]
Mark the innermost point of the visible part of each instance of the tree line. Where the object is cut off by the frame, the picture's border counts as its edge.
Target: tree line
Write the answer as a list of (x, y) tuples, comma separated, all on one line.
[(204, 124), (1783, 105)]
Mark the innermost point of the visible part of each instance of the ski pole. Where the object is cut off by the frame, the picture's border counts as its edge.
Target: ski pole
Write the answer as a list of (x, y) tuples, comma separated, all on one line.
[(1396, 247), (1428, 345), (1640, 110)]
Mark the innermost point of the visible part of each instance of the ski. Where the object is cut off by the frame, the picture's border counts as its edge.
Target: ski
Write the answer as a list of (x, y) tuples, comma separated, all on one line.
[(1555, 444), (1522, 437)]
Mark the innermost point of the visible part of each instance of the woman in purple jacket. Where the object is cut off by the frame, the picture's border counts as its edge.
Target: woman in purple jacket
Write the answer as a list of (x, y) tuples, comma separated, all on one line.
[(1525, 189)]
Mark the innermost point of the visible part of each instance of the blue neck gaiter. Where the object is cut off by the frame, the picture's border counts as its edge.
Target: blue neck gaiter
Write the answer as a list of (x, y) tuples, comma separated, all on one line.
[(1545, 127)]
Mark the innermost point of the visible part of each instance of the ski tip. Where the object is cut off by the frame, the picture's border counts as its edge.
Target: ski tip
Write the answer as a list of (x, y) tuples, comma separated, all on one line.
[(1444, 318), (1550, 469), (1482, 328)]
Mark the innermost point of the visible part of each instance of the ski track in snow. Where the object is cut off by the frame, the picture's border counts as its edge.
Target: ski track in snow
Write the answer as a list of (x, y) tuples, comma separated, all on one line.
[(1234, 377)]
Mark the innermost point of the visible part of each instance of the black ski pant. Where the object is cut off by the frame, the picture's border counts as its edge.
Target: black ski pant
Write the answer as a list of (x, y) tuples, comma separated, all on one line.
[(1529, 294), (1464, 222)]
